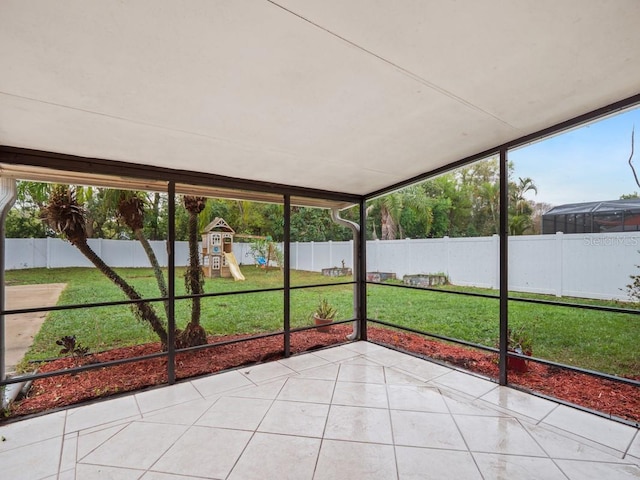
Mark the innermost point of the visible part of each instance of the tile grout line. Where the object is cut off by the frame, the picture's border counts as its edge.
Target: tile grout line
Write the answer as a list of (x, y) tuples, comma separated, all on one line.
[(326, 421), (635, 436), (64, 430), (253, 434), (553, 460), (473, 457), (393, 437)]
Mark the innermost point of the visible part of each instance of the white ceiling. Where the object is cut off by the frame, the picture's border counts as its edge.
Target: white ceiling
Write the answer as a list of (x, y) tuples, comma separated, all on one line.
[(349, 96)]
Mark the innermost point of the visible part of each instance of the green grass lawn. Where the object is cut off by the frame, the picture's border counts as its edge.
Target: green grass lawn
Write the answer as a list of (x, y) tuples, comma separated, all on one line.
[(597, 340)]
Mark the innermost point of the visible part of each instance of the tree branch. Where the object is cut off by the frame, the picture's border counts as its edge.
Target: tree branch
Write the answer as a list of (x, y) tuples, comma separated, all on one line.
[(635, 175)]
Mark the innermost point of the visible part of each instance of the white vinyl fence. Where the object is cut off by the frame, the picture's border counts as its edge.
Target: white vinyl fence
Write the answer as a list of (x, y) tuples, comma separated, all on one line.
[(577, 265)]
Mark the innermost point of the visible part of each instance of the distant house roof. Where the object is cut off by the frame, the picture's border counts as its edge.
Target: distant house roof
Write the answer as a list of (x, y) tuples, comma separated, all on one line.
[(593, 217), (596, 207), (218, 224)]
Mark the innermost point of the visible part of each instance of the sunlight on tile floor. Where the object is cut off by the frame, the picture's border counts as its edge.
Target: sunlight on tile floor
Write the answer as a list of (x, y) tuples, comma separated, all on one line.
[(358, 411)]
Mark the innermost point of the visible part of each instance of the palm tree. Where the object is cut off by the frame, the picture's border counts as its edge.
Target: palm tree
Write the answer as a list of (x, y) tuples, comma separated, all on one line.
[(130, 207), (520, 209), (67, 217), (193, 333), (391, 206)]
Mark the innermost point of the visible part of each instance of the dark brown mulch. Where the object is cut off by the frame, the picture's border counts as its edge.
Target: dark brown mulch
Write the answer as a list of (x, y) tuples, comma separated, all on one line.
[(603, 395)]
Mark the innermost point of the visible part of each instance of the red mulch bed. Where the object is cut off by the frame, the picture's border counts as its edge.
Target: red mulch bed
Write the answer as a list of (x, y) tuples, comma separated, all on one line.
[(615, 399)]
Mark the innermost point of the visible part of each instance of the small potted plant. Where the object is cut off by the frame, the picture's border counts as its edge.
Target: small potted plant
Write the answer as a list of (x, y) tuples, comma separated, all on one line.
[(324, 314), (518, 341)]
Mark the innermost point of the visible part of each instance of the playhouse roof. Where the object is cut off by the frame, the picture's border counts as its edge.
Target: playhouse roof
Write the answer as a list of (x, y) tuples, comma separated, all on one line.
[(337, 96), (218, 224)]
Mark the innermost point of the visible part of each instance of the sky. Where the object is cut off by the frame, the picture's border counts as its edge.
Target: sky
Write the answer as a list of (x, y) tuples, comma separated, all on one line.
[(583, 165)]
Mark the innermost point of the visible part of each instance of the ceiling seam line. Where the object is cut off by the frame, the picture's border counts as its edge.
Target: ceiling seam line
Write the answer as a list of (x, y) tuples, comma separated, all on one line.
[(403, 70), (250, 148)]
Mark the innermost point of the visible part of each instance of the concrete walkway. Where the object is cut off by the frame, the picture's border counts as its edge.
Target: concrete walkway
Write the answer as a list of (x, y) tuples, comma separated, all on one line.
[(20, 329)]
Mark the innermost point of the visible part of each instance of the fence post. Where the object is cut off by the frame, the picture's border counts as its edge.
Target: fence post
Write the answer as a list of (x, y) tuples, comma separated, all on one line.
[(313, 257), (496, 252), (330, 254), (559, 263), (407, 259), (48, 253), (353, 264), (447, 265)]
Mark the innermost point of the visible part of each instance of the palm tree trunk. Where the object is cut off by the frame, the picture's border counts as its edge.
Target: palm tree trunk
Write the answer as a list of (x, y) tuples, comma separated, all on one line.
[(144, 309), (157, 271), (194, 268)]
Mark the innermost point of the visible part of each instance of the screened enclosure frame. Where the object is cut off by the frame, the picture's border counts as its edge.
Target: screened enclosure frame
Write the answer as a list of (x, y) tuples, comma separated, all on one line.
[(19, 161)]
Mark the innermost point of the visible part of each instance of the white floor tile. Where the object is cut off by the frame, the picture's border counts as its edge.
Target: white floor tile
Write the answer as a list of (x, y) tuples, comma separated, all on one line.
[(325, 372), (33, 461), (351, 460), (361, 373), (399, 377), (416, 397), (222, 382), (65, 475), (363, 347), (266, 371), (88, 442), (634, 449), (235, 412), (68, 458), (361, 360), (360, 395), (520, 402), (166, 396), (101, 413), (184, 414), (303, 362), (166, 476), (422, 368), (267, 391), (32, 430), (497, 435), (510, 467), (205, 452), (463, 382), (578, 470), (101, 472), (424, 429), (358, 424), (387, 357), (428, 463), (279, 457), (460, 404), (307, 390), (295, 418), (138, 445), (336, 354), (562, 447), (598, 429)]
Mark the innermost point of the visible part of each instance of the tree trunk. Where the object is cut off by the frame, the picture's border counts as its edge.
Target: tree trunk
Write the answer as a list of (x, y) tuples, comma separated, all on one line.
[(144, 310), (157, 271), (388, 225), (193, 333)]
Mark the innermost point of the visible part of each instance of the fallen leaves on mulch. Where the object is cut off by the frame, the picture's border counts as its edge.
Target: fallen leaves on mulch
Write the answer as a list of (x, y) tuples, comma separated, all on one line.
[(615, 399)]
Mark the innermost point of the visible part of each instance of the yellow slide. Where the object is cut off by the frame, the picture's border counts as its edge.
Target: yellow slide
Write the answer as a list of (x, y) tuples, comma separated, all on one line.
[(233, 266)]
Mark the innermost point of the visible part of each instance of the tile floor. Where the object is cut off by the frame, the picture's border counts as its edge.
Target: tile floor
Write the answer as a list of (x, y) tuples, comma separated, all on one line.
[(358, 411)]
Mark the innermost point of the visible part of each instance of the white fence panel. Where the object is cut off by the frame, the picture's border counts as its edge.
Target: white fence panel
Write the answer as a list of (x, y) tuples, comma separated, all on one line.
[(535, 264), (579, 265), (474, 261), (599, 265)]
